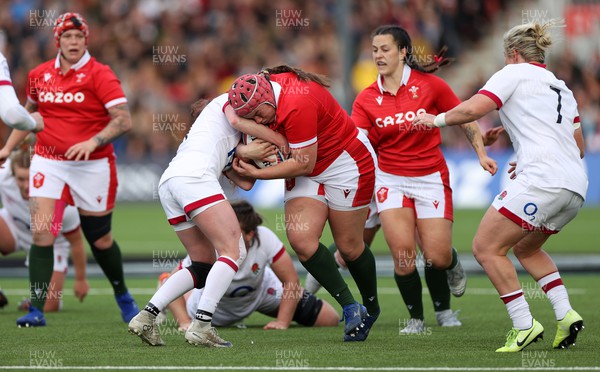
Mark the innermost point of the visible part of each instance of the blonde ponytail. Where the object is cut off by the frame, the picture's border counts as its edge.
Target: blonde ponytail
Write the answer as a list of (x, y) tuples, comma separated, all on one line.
[(531, 40)]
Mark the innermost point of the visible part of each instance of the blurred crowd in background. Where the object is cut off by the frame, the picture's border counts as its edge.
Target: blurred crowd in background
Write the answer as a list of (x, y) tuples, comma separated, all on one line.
[(167, 54)]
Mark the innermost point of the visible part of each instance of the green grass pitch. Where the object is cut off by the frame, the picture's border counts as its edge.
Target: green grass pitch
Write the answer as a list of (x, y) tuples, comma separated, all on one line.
[(142, 228), (92, 334)]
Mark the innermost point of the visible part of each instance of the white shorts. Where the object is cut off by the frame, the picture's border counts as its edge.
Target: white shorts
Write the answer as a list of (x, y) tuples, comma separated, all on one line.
[(265, 299), (373, 218), (347, 184), (23, 241), (537, 209), (90, 185), (430, 196), (183, 198)]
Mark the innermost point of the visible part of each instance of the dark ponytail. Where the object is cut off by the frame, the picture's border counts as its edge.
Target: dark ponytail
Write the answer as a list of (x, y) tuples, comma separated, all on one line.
[(302, 75), (402, 39), (248, 218)]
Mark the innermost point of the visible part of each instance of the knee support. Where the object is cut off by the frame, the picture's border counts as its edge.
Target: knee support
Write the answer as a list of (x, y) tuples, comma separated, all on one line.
[(308, 309), (95, 227), (199, 271)]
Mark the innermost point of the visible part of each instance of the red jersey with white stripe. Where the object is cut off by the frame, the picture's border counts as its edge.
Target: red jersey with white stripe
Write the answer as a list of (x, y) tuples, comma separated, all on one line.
[(403, 149), (307, 114), (74, 105)]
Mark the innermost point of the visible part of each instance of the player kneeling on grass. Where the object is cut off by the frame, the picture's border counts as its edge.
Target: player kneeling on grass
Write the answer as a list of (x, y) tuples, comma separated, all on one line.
[(265, 282), (15, 230)]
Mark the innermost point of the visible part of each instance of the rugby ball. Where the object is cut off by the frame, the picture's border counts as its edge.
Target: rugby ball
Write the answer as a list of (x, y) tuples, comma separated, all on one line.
[(273, 159)]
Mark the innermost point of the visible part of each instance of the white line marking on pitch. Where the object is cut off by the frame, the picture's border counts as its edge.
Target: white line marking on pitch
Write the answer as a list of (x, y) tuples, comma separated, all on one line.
[(382, 291), (308, 368)]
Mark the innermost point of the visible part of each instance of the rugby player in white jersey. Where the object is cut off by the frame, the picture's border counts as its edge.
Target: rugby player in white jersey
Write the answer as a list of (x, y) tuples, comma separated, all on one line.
[(540, 115), (266, 282), (15, 230), (11, 112)]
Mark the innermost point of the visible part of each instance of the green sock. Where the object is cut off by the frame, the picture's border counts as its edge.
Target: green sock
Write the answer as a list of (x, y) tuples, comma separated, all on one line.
[(333, 248), (322, 266), (41, 264), (437, 282), (112, 265), (365, 275), (412, 293), (454, 259)]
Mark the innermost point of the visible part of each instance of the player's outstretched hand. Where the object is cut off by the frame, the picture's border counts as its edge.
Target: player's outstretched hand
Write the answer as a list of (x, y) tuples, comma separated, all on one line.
[(489, 164), (276, 324), (82, 150), (424, 119), (243, 168), (81, 288), (511, 170), (491, 135), (39, 122), (256, 150)]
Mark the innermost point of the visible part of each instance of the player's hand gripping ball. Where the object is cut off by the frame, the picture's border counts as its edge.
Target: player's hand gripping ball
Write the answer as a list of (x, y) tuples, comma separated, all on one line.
[(272, 160)]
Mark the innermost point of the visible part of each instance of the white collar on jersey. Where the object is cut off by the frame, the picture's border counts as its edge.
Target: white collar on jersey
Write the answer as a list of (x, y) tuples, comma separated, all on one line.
[(82, 61), (276, 91), (405, 76)]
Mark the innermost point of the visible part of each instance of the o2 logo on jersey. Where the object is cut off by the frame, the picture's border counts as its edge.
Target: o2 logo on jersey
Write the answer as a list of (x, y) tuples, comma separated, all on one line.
[(530, 209), (61, 97), (242, 291), (400, 118)]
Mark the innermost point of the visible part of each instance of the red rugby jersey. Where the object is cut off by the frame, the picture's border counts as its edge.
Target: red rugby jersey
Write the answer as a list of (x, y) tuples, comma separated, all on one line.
[(403, 149), (306, 114), (74, 105)]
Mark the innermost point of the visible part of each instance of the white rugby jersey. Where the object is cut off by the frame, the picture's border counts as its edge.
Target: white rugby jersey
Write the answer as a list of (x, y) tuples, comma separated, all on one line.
[(245, 288), (18, 209), (538, 112), (4, 71), (209, 145)]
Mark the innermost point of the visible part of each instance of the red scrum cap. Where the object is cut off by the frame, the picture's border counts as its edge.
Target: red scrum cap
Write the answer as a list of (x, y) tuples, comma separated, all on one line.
[(250, 91), (70, 21)]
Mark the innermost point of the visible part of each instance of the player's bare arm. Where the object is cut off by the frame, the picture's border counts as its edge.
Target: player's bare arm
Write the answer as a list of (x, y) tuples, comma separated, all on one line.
[(473, 134), (244, 183), (301, 163), (470, 110), (16, 136), (578, 135), (81, 285), (119, 124), (255, 150), (292, 292), (31, 106), (257, 130), (492, 135)]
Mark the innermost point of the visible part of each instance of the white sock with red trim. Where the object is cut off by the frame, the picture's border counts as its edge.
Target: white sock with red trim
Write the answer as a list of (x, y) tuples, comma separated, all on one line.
[(177, 285), (518, 309), (556, 292), (218, 280)]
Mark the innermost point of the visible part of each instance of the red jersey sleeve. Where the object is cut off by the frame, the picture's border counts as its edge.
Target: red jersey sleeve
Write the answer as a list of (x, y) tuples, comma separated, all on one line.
[(446, 99), (108, 88), (301, 123), (360, 116)]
